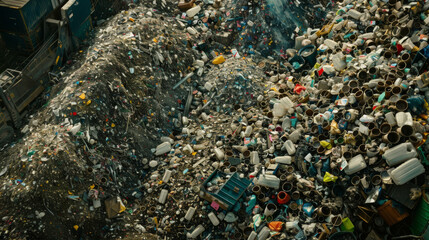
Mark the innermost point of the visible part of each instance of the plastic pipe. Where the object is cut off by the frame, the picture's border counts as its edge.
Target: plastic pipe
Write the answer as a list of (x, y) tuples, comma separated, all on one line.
[(324, 211), (376, 180), (295, 195), (256, 190), (355, 180), (270, 209), (375, 133), (391, 137), (401, 105), (406, 131), (287, 186)]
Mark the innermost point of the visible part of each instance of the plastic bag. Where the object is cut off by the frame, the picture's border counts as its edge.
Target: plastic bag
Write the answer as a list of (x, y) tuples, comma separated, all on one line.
[(329, 177)]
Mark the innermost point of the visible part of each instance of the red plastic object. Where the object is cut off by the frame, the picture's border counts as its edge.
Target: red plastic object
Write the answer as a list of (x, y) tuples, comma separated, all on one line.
[(283, 197), (399, 48), (298, 88)]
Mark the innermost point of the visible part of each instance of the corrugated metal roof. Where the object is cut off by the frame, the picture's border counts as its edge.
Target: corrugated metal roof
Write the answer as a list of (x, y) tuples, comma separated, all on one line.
[(13, 3)]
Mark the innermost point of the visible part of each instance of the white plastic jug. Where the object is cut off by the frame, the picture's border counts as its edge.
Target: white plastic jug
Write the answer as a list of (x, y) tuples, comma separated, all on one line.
[(400, 154), (190, 213), (354, 14), (163, 148), (264, 233), (290, 147), (330, 43), (287, 103), (404, 118), (407, 171), (252, 236), (283, 159), (355, 164), (339, 63), (279, 110), (254, 158), (219, 154), (197, 231), (215, 221), (270, 181), (193, 11)]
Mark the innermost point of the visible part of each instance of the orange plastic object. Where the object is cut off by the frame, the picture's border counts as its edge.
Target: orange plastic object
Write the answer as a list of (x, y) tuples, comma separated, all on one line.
[(275, 226)]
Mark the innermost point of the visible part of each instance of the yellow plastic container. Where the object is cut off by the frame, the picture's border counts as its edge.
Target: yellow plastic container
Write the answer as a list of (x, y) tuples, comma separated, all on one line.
[(220, 59), (326, 29), (347, 225)]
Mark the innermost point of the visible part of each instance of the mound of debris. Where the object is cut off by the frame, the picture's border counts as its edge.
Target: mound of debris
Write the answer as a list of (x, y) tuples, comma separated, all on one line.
[(189, 127), (89, 140)]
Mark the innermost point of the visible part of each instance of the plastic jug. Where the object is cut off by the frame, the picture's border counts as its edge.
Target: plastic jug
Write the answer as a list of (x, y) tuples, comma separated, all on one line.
[(290, 147), (407, 171), (270, 181), (283, 160), (355, 164), (400, 154), (264, 233)]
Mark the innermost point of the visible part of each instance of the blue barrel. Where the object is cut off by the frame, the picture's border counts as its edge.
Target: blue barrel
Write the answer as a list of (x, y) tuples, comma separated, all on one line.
[(309, 53)]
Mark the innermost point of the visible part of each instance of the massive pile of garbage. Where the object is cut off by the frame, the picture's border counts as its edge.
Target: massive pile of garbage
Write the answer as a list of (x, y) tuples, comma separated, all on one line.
[(201, 121)]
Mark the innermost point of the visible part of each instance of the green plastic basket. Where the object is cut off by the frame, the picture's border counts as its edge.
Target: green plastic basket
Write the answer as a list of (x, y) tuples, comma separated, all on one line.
[(421, 216)]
